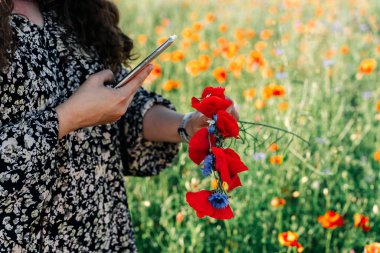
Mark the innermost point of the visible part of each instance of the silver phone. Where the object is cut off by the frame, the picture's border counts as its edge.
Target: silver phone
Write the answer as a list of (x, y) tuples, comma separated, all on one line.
[(146, 61)]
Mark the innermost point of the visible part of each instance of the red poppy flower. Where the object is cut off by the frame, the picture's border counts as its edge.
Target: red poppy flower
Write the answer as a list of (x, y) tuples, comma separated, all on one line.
[(361, 221), (290, 239), (199, 201), (211, 91), (228, 164), (199, 145), (209, 106), (227, 125), (331, 220)]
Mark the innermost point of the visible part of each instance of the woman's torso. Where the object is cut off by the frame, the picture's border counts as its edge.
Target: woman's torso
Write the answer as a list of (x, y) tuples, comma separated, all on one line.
[(86, 201)]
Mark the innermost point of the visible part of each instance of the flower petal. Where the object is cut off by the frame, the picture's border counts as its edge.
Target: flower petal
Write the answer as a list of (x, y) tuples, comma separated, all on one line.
[(228, 163), (236, 165), (227, 125), (211, 91), (209, 106), (221, 164), (200, 203), (199, 145)]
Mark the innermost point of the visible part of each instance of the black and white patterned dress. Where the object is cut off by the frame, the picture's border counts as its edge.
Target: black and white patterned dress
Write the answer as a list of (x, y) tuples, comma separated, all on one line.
[(65, 195)]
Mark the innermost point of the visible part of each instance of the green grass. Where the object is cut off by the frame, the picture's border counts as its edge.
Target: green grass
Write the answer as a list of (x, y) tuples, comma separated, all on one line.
[(336, 171)]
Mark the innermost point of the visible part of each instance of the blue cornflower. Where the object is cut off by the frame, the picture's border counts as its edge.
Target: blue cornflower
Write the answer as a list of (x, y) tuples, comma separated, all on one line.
[(207, 165), (281, 75), (212, 123), (367, 95), (211, 129), (259, 156), (328, 63), (218, 200)]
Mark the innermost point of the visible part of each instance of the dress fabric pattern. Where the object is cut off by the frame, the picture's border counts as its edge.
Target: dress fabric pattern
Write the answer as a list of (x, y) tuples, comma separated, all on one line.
[(66, 195)]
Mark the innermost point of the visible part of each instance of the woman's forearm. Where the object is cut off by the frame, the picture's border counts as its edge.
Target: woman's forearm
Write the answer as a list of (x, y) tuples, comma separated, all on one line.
[(161, 124)]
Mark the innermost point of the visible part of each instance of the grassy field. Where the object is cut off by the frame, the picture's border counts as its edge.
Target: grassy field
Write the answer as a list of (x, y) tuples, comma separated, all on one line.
[(313, 51)]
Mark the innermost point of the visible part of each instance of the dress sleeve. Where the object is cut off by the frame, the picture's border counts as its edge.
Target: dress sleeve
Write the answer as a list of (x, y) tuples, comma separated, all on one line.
[(27, 148), (141, 157)]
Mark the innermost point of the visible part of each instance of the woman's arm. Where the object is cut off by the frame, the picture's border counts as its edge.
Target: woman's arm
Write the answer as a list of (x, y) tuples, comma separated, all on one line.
[(94, 104), (161, 124)]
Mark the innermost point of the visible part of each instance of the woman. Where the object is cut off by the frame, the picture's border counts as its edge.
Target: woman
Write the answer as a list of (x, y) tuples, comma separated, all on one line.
[(66, 137)]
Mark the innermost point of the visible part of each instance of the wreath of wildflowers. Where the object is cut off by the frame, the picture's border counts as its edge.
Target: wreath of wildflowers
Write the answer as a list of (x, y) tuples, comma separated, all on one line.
[(210, 148), (206, 147)]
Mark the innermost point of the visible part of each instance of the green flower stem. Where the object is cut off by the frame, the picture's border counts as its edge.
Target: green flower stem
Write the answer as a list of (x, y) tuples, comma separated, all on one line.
[(276, 128), (328, 241)]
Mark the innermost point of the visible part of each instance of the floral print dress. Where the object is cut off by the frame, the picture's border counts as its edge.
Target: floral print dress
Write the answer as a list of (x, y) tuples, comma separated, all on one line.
[(66, 195)]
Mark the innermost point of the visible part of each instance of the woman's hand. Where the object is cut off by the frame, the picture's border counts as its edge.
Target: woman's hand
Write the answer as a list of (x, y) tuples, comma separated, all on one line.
[(94, 104), (198, 120)]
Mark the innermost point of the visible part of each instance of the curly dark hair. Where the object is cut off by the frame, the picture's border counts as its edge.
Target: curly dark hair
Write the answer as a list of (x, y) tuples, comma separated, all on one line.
[(6, 7), (94, 22)]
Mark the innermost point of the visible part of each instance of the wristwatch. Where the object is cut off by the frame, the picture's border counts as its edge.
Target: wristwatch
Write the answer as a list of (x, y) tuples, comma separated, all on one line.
[(182, 127)]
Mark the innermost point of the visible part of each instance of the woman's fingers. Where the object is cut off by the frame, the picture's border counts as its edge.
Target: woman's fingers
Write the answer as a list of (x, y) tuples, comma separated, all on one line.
[(233, 112), (132, 86), (101, 77)]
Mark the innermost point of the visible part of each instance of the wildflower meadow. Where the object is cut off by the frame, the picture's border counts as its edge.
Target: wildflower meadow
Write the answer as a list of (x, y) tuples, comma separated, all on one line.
[(304, 77)]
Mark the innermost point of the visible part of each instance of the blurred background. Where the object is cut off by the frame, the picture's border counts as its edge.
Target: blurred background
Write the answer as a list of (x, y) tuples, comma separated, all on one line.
[(308, 67)]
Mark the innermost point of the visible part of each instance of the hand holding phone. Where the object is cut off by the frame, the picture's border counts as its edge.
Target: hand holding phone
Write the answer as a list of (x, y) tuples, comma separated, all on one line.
[(146, 61)]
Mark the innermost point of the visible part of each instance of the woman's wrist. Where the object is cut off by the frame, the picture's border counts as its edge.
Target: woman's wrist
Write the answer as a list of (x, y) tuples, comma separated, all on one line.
[(184, 129), (65, 120)]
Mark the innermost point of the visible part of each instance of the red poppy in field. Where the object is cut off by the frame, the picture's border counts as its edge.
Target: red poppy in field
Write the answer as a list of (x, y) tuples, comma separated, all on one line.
[(278, 90), (228, 164), (197, 26), (230, 50), (367, 66), (372, 248), (209, 106), (220, 74), (192, 67), (290, 239), (277, 202), (209, 203), (227, 125), (361, 221), (199, 145), (223, 28), (177, 56), (187, 32), (283, 106), (256, 58), (179, 217), (344, 50), (203, 46), (266, 34), (210, 17), (331, 220), (273, 147), (376, 156), (204, 62), (171, 85), (276, 159), (157, 71)]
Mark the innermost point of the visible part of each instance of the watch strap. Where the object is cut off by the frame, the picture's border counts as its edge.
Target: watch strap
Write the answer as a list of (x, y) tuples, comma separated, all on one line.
[(182, 128)]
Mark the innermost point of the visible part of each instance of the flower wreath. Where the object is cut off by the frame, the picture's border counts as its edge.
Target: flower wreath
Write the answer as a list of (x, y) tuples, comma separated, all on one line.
[(223, 164)]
